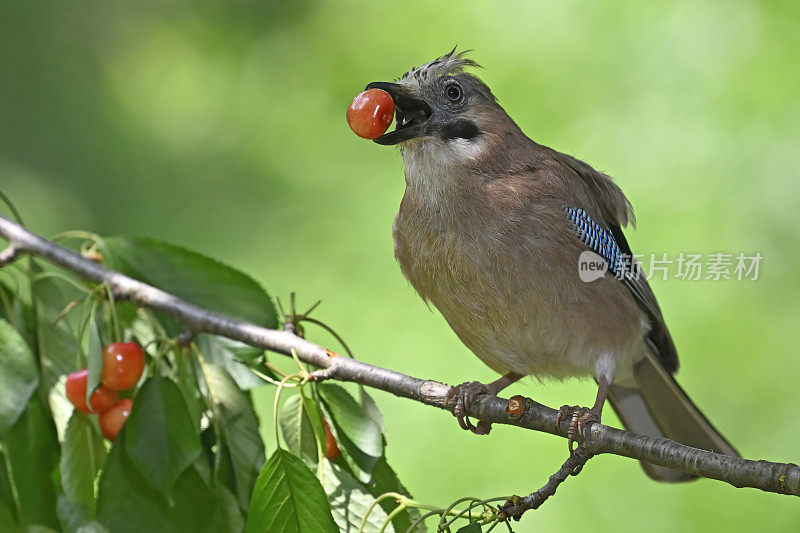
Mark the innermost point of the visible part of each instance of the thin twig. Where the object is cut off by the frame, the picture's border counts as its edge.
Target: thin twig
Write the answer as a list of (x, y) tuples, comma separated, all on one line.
[(515, 507), (782, 478)]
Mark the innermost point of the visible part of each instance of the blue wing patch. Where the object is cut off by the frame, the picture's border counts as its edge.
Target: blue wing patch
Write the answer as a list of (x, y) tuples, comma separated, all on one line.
[(599, 240)]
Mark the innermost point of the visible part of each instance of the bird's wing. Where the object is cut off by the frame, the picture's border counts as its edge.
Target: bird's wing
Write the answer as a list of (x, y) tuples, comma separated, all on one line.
[(609, 242), (637, 284), (596, 193)]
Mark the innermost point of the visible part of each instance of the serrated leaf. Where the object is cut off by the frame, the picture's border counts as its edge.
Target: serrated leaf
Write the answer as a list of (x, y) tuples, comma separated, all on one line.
[(82, 455), (127, 503), (239, 426), (357, 434), (349, 501), (288, 497), (192, 276), (160, 437), (472, 527), (33, 452), (297, 430), (19, 375)]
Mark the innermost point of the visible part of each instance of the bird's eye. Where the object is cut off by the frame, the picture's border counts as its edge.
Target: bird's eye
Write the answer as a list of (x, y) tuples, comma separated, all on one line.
[(454, 92)]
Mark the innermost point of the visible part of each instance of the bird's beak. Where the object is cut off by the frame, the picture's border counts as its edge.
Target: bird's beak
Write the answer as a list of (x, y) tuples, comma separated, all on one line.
[(411, 114)]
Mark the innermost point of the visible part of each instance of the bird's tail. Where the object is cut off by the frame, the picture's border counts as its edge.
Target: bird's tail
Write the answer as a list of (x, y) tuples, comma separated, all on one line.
[(656, 406)]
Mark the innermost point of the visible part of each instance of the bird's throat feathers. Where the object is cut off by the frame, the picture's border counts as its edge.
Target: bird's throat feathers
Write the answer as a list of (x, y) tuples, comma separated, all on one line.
[(434, 166)]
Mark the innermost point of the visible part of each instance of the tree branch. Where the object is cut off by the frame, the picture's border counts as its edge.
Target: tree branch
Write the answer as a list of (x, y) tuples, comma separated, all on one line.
[(782, 478)]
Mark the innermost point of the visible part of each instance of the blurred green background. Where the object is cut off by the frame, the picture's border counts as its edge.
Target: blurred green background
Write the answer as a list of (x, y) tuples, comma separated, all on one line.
[(220, 126)]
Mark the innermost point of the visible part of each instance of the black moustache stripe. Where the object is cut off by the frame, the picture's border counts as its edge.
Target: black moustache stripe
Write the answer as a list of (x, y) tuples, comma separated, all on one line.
[(460, 129)]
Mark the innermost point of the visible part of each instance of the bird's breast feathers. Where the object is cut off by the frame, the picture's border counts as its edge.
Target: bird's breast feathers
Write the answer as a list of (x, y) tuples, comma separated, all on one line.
[(502, 268)]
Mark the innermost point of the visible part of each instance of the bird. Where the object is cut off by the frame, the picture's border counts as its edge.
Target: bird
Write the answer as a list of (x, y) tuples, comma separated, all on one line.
[(492, 229)]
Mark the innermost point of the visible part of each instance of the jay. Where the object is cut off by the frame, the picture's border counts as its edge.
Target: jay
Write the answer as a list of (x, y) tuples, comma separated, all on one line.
[(491, 231)]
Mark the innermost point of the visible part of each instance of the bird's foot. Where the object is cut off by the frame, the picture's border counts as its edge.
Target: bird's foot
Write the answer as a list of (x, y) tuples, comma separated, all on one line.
[(579, 418), (464, 395)]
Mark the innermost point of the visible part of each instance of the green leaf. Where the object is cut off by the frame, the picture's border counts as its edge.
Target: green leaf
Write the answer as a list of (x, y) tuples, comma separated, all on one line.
[(143, 329), (472, 527), (74, 518), (161, 439), (38, 529), (297, 430), (94, 356), (57, 342), (385, 480), (8, 506), (82, 455), (371, 408), (61, 408), (239, 426), (127, 503), (288, 497), (223, 353), (312, 409), (194, 277), (32, 450), (349, 501), (127, 316), (19, 312), (352, 419), (225, 515), (244, 352), (92, 527), (19, 376), (71, 515), (357, 434), (187, 383)]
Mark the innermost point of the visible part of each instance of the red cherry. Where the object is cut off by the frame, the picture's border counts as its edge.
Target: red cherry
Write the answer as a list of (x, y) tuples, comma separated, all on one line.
[(370, 113), (112, 420), (123, 363), (332, 450), (100, 400)]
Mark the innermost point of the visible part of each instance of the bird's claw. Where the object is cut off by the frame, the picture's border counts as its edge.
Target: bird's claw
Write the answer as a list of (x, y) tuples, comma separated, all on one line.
[(464, 395), (579, 418)]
